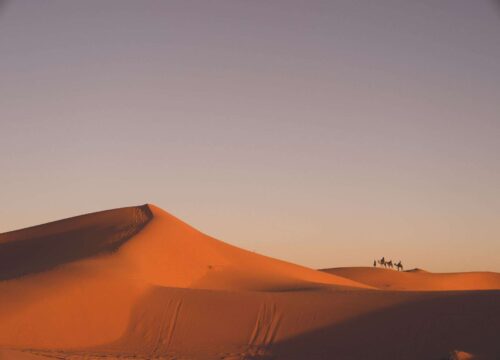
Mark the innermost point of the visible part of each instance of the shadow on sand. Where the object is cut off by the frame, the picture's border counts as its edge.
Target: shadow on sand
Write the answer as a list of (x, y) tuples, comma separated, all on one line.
[(420, 330), (44, 247)]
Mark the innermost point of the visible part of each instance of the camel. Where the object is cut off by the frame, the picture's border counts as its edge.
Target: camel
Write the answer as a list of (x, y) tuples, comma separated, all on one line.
[(399, 266), (389, 264), (382, 262)]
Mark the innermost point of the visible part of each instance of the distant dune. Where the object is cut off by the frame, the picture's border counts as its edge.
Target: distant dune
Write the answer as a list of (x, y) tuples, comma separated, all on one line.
[(419, 280), (138, 283)]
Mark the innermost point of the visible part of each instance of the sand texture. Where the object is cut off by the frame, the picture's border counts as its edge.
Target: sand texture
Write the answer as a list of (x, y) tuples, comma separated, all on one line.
[(138, 283)]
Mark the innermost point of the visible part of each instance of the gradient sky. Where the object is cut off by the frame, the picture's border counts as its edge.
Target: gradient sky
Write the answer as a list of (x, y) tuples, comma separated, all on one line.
[(325, 133)]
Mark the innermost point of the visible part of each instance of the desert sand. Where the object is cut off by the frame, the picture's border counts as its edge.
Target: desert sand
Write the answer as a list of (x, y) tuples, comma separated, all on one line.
[(138, 283), (419, 280)]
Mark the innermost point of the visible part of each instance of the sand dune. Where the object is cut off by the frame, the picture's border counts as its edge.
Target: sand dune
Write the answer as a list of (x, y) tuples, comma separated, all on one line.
[(168, 252), (77, 273), (154, 247), (418, 279), (139, 283)]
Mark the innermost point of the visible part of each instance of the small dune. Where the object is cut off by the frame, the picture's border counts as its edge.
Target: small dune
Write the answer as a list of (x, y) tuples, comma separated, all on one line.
[(419, 280)]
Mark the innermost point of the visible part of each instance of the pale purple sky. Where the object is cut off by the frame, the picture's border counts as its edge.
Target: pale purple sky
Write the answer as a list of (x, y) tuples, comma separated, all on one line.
[(326, 133)]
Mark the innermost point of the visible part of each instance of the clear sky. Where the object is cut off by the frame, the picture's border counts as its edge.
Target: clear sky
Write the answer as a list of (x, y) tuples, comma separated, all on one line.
[(326, 132)]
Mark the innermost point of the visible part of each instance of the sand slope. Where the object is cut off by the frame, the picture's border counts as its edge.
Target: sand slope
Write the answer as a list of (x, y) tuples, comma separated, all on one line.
[(138, 283), (174, 323), (154, 247), (168, 252), (418, 279)]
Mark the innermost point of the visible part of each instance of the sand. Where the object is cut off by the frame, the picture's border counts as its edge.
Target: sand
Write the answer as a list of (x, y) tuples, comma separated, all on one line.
[(139, 283), (419, 280)]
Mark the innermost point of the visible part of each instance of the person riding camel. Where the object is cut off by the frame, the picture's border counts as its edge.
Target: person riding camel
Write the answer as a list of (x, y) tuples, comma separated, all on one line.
[(399, 266)]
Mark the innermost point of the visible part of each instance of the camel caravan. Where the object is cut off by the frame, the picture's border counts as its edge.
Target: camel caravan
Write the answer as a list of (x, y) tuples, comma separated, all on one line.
[(388, 264)]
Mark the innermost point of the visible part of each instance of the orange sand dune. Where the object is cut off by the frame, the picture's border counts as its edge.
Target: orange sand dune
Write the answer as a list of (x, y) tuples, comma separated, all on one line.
[(77, 273), (168, 252), (418, 279), (137, 283), (153, 247)]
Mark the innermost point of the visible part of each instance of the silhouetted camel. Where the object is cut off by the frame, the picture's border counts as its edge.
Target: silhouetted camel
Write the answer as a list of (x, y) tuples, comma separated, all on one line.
[(399, 266), (389, 264), (382, 262)]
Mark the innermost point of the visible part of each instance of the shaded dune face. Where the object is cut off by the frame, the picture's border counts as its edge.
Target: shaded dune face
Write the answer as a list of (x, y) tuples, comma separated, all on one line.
[(418, 280), (423, 326), (44, 247)]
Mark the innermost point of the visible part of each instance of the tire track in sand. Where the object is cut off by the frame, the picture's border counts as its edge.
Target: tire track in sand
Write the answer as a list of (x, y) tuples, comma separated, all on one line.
[(265, 330), (168, 324)]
